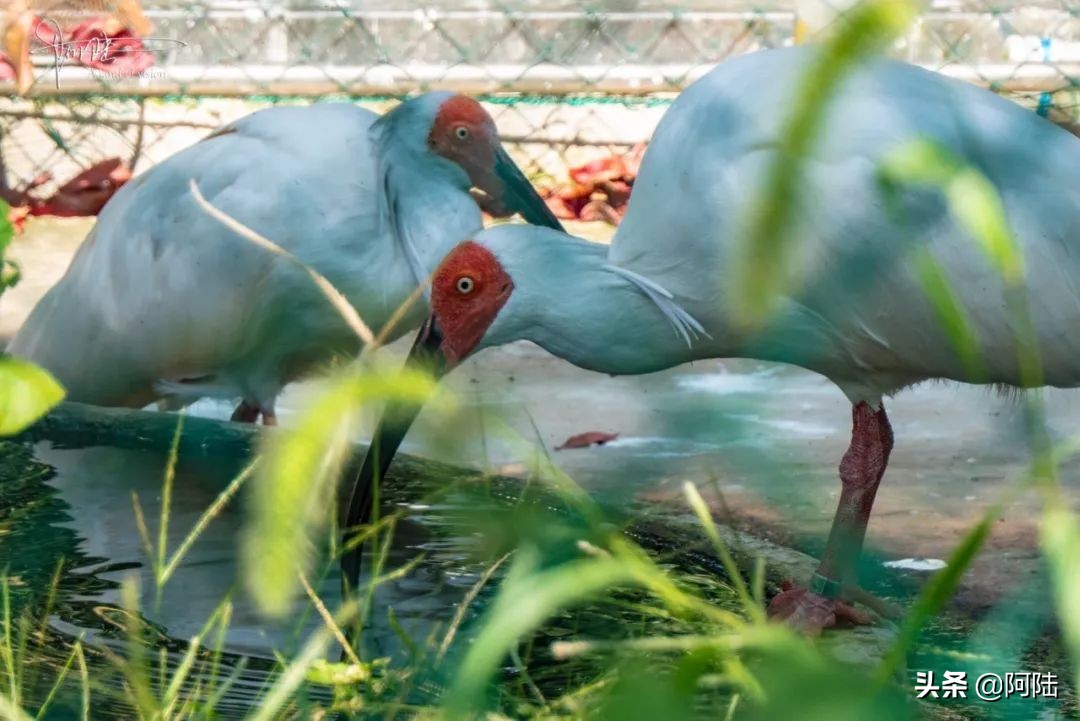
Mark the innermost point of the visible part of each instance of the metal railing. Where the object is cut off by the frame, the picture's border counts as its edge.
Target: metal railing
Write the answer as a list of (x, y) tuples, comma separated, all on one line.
[(563, 84)]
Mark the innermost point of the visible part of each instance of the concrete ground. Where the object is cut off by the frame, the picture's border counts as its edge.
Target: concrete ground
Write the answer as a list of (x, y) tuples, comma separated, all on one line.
[(769, 436)]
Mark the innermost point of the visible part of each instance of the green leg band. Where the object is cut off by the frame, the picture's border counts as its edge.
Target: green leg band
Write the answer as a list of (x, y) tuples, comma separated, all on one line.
[(826, 587)]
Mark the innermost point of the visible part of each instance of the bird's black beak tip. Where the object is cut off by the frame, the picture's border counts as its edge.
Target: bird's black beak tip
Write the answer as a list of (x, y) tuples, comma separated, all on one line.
[(427, 355), (521, 196)]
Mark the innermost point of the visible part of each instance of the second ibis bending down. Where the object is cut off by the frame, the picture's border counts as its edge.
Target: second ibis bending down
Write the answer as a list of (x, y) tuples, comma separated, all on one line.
[(162, 301), (858, 315)]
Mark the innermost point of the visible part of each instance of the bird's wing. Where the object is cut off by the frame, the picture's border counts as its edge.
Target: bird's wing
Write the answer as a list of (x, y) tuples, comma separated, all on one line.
[(160, 291)]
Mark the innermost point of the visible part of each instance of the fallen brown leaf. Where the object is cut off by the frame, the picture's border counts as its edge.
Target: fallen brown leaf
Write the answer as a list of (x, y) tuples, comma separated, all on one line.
[(589, 438)]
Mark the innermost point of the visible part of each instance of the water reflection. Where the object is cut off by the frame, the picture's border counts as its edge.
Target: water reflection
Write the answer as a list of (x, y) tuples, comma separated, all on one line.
[(73, 506)]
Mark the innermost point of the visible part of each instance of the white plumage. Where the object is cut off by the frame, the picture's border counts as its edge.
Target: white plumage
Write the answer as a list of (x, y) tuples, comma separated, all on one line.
[(162, 300), (856, 312), (858, 315)]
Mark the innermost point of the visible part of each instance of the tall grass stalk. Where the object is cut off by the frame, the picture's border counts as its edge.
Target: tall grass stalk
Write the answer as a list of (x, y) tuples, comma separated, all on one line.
[(293, 675), (212, 511), (60, 678), (697, 504), (158, 560), (11, 670)]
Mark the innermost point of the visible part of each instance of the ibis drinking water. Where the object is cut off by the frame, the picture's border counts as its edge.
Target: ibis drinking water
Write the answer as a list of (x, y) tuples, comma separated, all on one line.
[(853, 311), (163, 301)]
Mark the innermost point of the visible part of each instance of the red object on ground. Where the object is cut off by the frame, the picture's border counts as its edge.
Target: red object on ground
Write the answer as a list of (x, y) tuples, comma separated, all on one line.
[(596, 171), (87, 192), (83, 195), (597, 190), (589, 438)]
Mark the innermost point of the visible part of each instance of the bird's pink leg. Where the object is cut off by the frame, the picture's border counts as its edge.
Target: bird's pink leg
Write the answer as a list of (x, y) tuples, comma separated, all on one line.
[(245, 413), (860, 473), (249, 413)]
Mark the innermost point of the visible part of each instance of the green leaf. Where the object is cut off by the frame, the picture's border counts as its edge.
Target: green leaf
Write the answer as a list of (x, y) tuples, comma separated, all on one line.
[(9, 274), (297, 475), (937, 592), (9, 271), (27, 392), (765, 261), (527, 598), (972, 198), (951, 313), (1061, 543), (977, 207), (7, 230)]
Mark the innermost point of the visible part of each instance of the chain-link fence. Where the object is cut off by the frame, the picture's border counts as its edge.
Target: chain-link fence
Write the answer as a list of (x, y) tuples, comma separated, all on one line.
[(564, 84)]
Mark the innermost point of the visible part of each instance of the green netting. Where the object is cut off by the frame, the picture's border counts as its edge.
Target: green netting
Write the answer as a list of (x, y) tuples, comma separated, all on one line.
[(564, 82)]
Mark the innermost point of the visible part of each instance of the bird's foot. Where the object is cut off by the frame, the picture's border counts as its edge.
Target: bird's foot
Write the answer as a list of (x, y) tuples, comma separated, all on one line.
[(811, 612), (249, 413)]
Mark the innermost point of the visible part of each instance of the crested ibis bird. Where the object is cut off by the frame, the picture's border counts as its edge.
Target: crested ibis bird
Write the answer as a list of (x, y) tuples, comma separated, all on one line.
[(164, 302), (659, 296)]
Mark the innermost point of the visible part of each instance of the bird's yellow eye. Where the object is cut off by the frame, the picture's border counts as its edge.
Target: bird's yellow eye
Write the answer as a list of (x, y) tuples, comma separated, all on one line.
[(465, 285), (461, 132)]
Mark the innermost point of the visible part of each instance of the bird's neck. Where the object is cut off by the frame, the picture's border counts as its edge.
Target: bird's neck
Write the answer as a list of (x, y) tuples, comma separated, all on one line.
[(428, 197), (587, 314)]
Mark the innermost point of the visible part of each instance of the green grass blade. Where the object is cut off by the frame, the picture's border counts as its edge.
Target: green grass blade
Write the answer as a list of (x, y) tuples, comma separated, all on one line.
[(84, 679), (937, 592), (166, 500), (176, 683), (1061, 543), (299, 472), (701, 510), (204, 520), (286, 684), (525, 600), (11, 710), (951, 314), (764, 257)]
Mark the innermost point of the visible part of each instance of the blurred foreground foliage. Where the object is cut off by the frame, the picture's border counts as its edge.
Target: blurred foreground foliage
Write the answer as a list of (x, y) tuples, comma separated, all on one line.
[(26, 391), (566, 617)]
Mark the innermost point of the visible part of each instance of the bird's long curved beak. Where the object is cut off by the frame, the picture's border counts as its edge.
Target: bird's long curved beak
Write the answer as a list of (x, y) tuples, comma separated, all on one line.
[(426, 356), (519, 194)]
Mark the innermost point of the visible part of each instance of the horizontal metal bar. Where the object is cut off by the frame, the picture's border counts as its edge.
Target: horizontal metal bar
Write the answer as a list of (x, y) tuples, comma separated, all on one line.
[(542, 79), (432, 14), (96, 120)]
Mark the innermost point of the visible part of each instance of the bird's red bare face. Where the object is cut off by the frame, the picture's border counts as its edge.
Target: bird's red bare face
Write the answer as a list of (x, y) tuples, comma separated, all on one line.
[(465, 134), (467, 292)]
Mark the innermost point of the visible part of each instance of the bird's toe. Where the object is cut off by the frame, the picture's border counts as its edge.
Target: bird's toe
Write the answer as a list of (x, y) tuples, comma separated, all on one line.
[(812, 613)]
